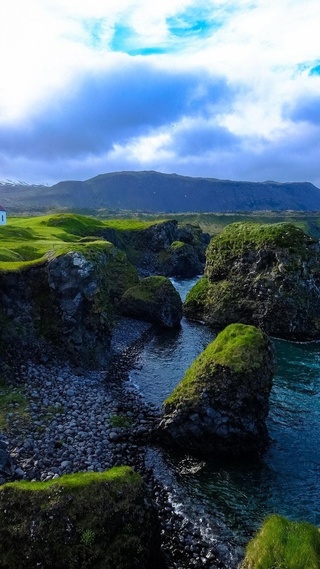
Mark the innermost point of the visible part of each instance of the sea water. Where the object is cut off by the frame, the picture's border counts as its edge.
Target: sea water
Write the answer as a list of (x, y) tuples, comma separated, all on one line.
[(236, 493)]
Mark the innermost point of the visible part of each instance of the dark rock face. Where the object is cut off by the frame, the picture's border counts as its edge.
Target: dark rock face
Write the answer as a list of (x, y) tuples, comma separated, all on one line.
[(154, 299), (65, 305), (75, 287), (88, 520), (221, 404), (268, 276), (163, 248)]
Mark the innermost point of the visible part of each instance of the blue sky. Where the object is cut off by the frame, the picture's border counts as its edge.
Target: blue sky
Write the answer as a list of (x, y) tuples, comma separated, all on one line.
[(218, 89)]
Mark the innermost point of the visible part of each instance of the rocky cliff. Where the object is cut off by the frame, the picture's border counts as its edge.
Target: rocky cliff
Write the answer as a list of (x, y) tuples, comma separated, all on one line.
[(266, 275), (164, 248), (65, 305), (221, 404), (88, 520)]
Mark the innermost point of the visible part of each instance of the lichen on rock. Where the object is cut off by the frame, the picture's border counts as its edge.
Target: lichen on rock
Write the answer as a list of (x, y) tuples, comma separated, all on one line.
[(267, 275), (154, 299), (88, 520), (223, 400)]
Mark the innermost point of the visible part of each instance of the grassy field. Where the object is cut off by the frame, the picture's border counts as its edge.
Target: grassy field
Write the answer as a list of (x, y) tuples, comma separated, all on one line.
[(26, 241)]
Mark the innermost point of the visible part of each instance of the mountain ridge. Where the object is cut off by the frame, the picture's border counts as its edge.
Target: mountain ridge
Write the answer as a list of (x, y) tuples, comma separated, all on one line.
[(152, 191)]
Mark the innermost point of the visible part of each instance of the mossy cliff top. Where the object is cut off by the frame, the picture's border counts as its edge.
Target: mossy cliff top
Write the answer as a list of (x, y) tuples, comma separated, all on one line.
[(31, 240), (88, 520), (282, 544), (238, 239), (239, 347)]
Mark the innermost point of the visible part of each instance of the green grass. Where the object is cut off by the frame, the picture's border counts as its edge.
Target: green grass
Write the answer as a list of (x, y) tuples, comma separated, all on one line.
[(282, 544), (77, 481), (13, 406), (120, 421), (27, 241), (238, 346)]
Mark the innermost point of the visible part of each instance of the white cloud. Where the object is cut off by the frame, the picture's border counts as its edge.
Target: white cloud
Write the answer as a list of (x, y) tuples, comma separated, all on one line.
[(55, 49)]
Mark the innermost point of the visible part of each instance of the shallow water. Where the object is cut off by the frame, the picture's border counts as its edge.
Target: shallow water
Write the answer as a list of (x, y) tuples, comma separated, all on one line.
[(239, 494)]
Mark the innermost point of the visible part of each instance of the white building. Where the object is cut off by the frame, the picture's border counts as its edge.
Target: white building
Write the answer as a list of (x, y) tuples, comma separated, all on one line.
[(3, 216)]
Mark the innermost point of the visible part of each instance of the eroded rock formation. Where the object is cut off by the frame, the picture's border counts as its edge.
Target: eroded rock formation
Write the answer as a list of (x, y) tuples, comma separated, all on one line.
[(265, 275), (221, 404)]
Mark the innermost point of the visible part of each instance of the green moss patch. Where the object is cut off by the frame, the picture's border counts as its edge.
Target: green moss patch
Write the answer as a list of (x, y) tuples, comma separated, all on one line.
[(282, 544), (238, 346), (13, 407), (239, 238), (87, 520), (29, 241), (147, 288)]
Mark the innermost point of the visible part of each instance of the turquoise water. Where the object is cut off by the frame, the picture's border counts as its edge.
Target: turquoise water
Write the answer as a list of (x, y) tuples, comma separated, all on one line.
[(240, 494)]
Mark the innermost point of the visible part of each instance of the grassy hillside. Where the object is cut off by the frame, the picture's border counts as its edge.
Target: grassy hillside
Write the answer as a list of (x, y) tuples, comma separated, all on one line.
[(26, 241)]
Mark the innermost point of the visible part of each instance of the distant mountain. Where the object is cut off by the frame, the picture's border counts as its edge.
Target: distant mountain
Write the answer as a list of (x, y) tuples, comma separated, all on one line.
[(155, 192)]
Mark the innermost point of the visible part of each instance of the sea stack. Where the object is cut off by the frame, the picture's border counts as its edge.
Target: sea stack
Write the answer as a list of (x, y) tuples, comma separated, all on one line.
[(267, 275), (221, 404)]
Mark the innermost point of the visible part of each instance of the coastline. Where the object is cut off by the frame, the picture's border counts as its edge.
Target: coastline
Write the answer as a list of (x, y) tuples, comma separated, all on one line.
[(72, 428)]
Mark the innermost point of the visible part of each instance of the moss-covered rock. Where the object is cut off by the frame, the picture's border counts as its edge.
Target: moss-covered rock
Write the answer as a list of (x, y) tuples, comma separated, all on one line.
[(89, 520), (283, 544), (267, 275), (154, 299), (163, 248), (223, 400)]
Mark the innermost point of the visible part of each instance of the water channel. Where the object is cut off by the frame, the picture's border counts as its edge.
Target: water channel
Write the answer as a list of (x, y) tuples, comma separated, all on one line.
[(237, 494)]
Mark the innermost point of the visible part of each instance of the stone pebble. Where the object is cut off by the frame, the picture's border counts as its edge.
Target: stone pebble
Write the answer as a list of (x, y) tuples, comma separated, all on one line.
[(71, 429)]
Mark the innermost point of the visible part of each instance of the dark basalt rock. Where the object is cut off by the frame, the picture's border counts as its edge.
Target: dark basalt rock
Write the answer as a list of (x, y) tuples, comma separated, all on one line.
[(65, 306), (265, 275), (88, 520), (155, 300), (221, 404), (164, 248)]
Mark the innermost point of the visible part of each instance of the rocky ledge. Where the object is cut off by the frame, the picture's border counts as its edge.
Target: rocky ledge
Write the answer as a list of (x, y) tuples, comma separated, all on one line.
[(223, 400), (265, 275)]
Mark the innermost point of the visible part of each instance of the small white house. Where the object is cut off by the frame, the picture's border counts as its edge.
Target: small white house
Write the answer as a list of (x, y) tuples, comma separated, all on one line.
[(3, 216)]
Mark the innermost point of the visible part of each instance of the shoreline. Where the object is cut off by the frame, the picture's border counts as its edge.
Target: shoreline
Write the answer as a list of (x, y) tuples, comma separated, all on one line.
[(72, 428)]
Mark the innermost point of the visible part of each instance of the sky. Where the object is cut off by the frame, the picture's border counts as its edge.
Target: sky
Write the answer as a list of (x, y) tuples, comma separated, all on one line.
[(215, 88)]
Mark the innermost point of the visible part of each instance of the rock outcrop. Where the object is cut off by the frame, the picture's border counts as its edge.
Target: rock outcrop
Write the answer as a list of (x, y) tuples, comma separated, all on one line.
[(66, 303), (87, 520), (155, 300), (265, 275), (283, 543), (221, 404), (163, 248)]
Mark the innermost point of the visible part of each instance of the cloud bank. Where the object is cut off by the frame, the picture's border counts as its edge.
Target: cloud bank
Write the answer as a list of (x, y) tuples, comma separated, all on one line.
[(218, 89)]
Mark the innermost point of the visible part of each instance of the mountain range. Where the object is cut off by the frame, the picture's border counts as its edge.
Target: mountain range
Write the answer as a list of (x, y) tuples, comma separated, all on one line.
[(150, 191)]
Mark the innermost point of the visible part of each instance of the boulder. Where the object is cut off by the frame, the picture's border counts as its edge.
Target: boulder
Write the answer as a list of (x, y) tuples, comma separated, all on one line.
[(180, 260), (154, 299), (221, 404), (283, 543), (267, 275), (88, 520)]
